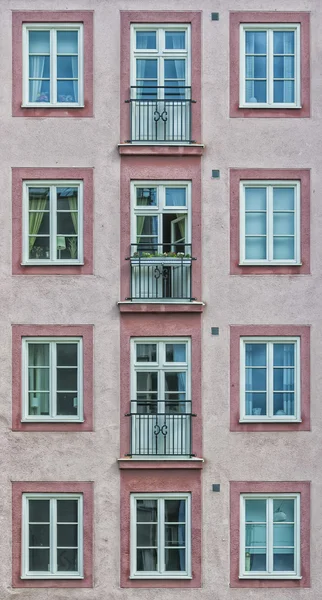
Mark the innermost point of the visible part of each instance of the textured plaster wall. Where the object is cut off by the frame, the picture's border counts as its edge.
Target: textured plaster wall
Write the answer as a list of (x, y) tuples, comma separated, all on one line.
[(240, 143)]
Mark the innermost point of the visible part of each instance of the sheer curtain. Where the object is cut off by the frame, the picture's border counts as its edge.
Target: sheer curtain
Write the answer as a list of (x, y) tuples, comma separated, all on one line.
[(37, 65), (288, 48), (250, 67), (35, 218), (38, 378), (288, 379)]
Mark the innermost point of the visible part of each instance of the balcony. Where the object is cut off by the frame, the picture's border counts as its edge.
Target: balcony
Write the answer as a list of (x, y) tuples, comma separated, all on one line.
[(161, 272), (160, 114), (161, 428)]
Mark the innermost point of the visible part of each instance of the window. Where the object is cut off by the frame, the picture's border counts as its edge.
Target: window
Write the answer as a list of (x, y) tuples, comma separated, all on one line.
[(53, 222), (270, 379), (270, 536), (53, 64), (160, 401), (52, 538), (270, 65), (160, 536), (52, 379), (270, 222)]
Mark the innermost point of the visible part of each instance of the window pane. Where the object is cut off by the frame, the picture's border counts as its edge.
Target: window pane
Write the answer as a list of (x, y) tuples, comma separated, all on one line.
[(283, 198), (39, 42), (255, 355), (67, 67), (283, 91), (146, 352), (67, 198), (147, 229), (283, 510), (255, 379), (39, 560), (283, 248), (67, 91), (146, 511), (175, 197), (283, 223), (66, 379), (38, 403), (255, 223), (175, 535), (256, 536), (175, 559), (146, 40), (147, 560), (283, 67), (67, 510), (67, 404), (66, 354), (39, 90), (146, 196), (174, 382), (67, 535), (38, 379), (38, 511), (67, 42), (255, 511), (255, 91), (283, 404), (255, 403), (175, 352), (175, 511), (146, 535), (38, 355), (175, 40), (39, 67), (256, 67), (147, 381), (283, 534), (67, 560), (174, 69), (283, 42), (255, 559), (283, 560), (255, 248), (147, 69), (255, 198), (38, 535), (255, 42)]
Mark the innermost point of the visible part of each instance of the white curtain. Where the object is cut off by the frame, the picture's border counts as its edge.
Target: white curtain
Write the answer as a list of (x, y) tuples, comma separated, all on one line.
[(38, 377), (36, 70), (75, 74), (250, 67), (288, 45), (288, 377)]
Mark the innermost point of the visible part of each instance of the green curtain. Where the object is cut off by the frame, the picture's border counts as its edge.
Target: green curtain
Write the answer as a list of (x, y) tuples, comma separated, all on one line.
[(35, 219), (72, 200)]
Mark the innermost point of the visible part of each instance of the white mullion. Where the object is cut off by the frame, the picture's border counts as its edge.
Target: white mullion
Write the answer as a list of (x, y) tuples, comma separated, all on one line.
[(80, 77), (270, 67), (269, 379), (80, 232), (54, 220), (161, 536), (53, 78), (80, 378), (161, 377), (53, 536), (53, 379), (269, 535), (269, 223), (80, 542)]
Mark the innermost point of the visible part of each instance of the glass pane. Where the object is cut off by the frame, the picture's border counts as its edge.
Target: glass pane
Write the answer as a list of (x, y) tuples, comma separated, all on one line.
[(283, 223), (38, 225), (66, 379), (66, 354), (38, 379), (284, 380), (67, 198), (175, 511), (283, 67), (283, 248), (39, 67), (283, 560), (283, 198), (175, 197), (146, 511), (283, 42), (175, 40), (39, 90), (67, 511), (38, 198), (255, 511), (255, 67), (175, 535), (67, 91), (255, 91), (67, 404), (283, 404), (38, 403), (147, 382), (255, 42), (38, 355), (255, 379), (255, 559), (39, 560), (146, 352), (255, 223), (38, 511), (283, 535), (175, 559), (283, 510), (174, 382), (146, 196), (38, 535), (39, 42), (67, 42), (255, 198), (67, 67), (67, 560), (255, 248), (67, 535), (255, 355), (283, 355), (146, 535), (256, 535), (147, 69), (174, 69), (283, 91), (255, 403), (146, 226), (146, 40), (175, 352), (147, 560)]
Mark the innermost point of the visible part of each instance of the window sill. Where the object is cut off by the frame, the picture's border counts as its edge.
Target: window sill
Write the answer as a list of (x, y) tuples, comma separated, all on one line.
[(52, 421), (163, 577), (269, 264), (50, 577), (270, 577), (47, 263), (47, 105), (266, 421), (272, 106)]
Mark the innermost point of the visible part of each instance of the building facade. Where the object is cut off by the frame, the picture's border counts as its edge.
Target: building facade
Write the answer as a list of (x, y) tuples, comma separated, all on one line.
[(160, 299)]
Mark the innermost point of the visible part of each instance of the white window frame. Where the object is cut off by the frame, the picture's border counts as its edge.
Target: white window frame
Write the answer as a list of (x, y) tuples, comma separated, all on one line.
[(270, 27), (270, 417), (54, 573), (52, 341), (53, 184), (161, 207), (269, 185), (270, 574), (52, 27), (161, 574)]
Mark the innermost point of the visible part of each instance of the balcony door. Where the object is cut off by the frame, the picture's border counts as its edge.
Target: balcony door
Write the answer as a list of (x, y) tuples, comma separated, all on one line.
[(161, 403), (160, 83)]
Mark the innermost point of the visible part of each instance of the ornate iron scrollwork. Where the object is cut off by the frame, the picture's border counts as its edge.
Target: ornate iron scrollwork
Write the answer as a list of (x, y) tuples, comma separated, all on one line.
[(157, 115), (161, 272), (163, 429)]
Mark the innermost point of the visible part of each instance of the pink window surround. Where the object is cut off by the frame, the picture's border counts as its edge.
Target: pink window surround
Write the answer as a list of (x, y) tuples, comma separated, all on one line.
[(269, 487), (238, 331), (55, 487), (180, 17), (21, 331), (21, 174), (236, 18), (151, 481), (171, 325), (45, 16), (301, 175), (157, 169)]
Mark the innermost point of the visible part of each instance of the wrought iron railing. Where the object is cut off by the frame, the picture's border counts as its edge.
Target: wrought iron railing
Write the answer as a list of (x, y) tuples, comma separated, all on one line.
[(160, 428), (161, 272), (160, 114)]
